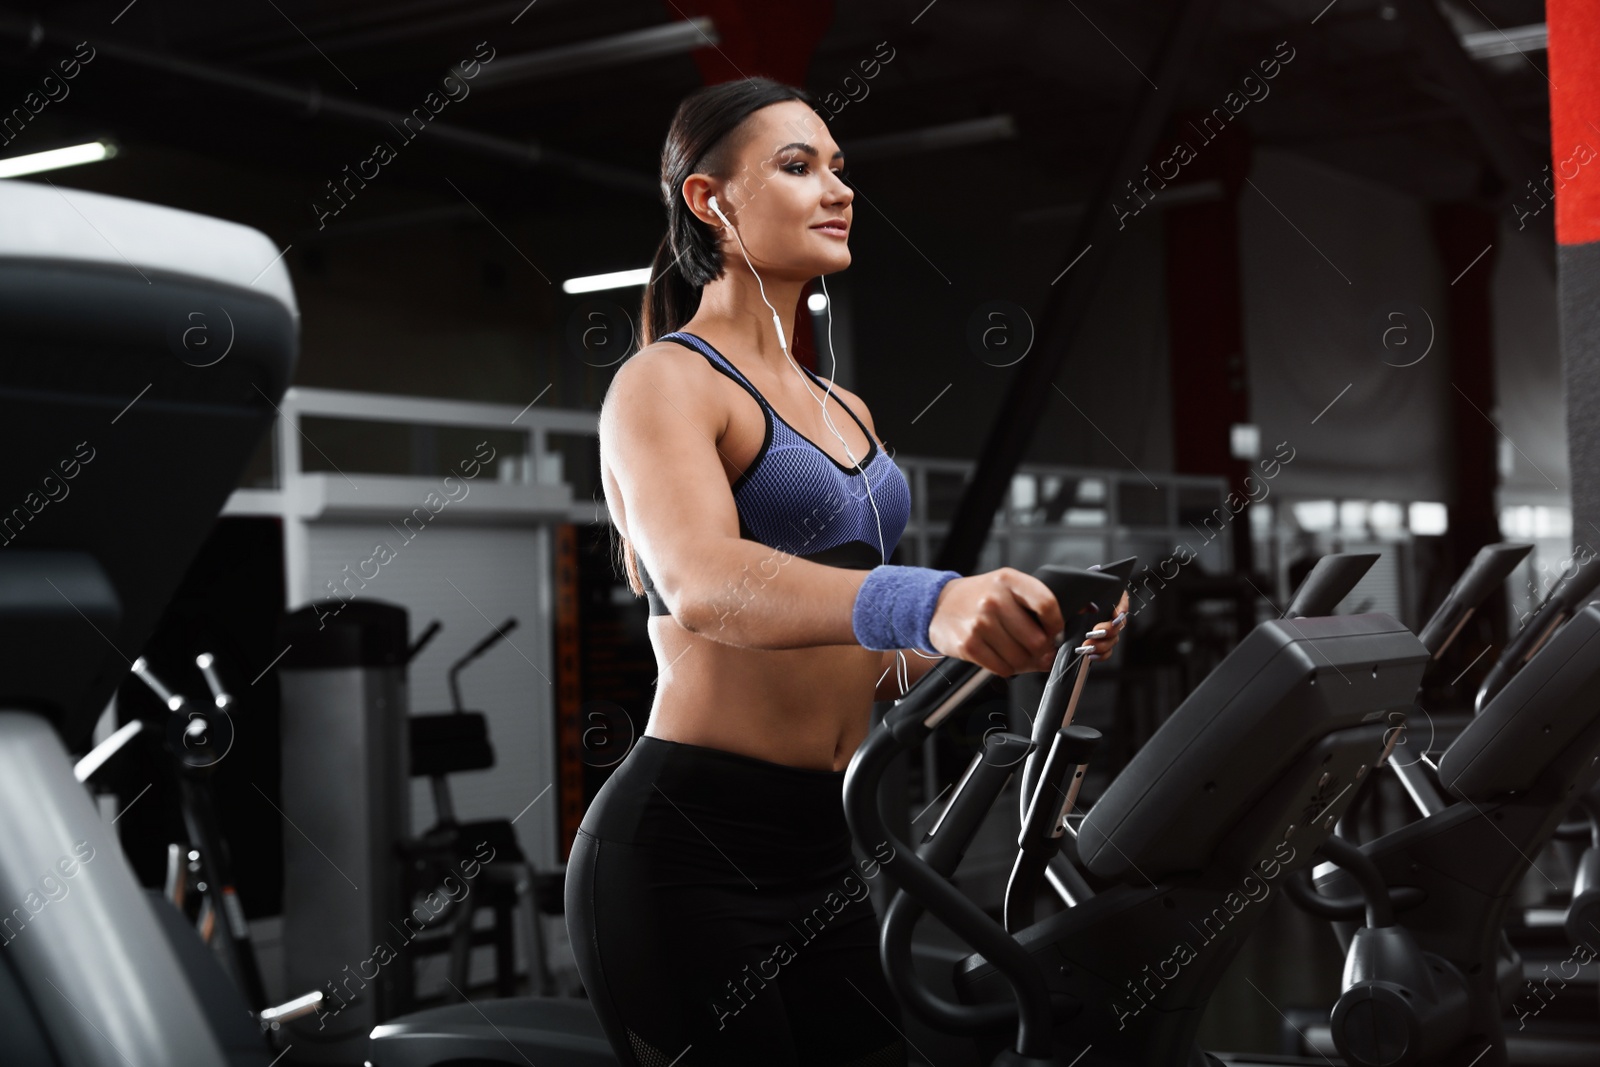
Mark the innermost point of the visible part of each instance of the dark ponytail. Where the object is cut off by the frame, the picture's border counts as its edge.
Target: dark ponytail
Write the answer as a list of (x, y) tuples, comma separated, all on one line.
[(701, 140)]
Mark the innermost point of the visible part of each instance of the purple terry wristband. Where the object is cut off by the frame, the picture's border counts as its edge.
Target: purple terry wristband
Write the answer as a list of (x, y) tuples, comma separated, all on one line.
[(895, 605)]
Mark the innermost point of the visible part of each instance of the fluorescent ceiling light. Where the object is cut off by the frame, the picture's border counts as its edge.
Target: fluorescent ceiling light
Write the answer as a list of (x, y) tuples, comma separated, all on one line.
[(665, 40), (1508, 42), (617, 279), (56, 158)]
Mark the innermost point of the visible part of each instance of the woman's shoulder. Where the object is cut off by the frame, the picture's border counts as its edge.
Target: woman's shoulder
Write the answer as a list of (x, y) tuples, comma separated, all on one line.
[(660, 355), (665, 371), (665, 365)]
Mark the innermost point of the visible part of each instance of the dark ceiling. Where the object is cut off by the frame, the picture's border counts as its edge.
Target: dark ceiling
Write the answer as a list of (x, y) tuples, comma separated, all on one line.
[(1358, 95)]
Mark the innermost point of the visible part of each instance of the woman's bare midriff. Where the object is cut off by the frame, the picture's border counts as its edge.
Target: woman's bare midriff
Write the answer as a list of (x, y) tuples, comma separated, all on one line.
[(805, 707)]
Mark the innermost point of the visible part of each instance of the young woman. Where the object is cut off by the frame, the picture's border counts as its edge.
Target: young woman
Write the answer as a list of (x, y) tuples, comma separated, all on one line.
[(716, 910)]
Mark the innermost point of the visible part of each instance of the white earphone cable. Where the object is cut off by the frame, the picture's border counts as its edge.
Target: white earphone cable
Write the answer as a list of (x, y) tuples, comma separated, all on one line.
[(902, 673)]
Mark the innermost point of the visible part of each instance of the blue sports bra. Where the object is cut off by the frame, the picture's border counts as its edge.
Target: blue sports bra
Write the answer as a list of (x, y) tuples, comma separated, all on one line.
[(797, 498)]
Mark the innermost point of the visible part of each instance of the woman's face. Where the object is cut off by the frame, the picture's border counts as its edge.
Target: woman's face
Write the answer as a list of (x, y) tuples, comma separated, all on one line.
[(785, 185)]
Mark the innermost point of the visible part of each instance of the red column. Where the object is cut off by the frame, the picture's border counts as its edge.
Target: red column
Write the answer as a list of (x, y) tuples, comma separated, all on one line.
[(1574, 54)]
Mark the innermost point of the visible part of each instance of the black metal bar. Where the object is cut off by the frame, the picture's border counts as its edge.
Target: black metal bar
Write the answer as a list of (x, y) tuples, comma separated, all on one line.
[(942, 850), (1380, 911), (964, 918), (198, 804), (1045, 822), (1342, 909)]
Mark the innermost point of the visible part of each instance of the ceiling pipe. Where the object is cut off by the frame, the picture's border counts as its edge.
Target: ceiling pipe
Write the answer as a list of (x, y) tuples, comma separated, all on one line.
[(634, 46), (395, 26), (313, 102)]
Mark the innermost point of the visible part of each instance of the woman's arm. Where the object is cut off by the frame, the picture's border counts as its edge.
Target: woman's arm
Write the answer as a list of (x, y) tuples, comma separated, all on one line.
[(659, 427)]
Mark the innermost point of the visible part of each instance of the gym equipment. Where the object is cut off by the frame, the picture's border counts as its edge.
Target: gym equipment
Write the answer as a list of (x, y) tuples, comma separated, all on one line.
[(1324, 586), (1239, 787), (446, 743), (197, 737), (143, 352), (342, 685), (1329, 582), (1568, 594), (198, 740), (565, 1033), (1381, 942), (1431, 983), (1487, 572)]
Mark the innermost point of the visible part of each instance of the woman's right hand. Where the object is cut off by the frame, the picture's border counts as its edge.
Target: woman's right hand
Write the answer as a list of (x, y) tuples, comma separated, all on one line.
[(1004, 620)]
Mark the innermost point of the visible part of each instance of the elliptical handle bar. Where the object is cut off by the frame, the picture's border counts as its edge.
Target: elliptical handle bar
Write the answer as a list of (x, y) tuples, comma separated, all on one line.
[(1329, 582), (1568, 595), (916, 715), (1490, 567), (948, 685)]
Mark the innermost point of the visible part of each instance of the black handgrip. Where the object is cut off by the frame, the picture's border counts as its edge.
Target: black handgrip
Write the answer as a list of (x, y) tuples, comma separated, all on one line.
[(1360, 866), (1077, 591), (1068, 753), (1571, 591), (952, 681), (1056, 707), (1061, 692), (489, 642), (1329, 582), (1488, 569), (1583, 914), (473, 653)]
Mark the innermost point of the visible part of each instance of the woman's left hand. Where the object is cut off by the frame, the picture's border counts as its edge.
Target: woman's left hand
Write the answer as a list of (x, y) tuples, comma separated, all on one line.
[(1113, 632)]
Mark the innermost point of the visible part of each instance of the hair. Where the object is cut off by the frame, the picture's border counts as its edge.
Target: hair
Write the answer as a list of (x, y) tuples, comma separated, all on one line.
[(704, 138)]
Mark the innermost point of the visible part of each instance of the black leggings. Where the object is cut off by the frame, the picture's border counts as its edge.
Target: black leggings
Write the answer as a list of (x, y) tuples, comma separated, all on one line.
[(718, 916)]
